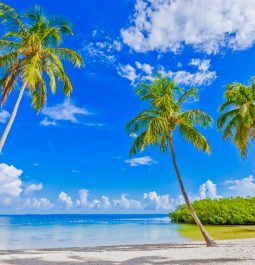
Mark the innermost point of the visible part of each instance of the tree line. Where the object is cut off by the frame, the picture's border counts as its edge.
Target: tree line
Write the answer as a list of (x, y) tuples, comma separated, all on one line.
[(223, 211)]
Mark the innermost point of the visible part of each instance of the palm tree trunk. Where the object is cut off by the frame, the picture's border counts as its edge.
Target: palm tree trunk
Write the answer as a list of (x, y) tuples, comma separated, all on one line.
[(12, 117), (209, 241)]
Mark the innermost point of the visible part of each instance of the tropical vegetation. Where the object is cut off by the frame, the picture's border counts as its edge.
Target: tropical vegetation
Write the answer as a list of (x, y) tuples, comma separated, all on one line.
[(31, 51), (164, 117), (238, 115), (223, 211)]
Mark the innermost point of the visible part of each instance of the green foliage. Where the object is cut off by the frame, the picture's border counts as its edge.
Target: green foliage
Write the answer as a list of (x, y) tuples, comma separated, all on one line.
[(238, 115), (223, 211), (31, 52), (155, 126)]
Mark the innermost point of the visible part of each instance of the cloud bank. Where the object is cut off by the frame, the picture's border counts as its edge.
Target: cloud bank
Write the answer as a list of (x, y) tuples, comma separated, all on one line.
[(19, 196), (199, 75), (165, 25)]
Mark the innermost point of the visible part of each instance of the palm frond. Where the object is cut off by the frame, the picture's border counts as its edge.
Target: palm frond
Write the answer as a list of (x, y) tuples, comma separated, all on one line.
[(226, 104), (39, 95), (225, 116), (32, 72), (140, 121), (11, 18), (7, 45), (50, 34), (67, 54), (241, 137), (8, 59), (196, 117), (190, 93), (51, 75), (58, 69), (64, 26), (138, 144), (231, 127), (238, 114), (195, 137)]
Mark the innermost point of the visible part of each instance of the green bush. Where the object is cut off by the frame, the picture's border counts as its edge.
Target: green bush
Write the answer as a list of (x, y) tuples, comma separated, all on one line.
[(223, 211)]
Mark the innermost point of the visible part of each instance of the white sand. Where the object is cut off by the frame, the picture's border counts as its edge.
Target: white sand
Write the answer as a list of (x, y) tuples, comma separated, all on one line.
[(234, 252)]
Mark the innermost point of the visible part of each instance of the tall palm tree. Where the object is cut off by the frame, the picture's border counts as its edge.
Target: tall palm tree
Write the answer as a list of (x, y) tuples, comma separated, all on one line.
[(157, 125), (238, 115), (31, 52)]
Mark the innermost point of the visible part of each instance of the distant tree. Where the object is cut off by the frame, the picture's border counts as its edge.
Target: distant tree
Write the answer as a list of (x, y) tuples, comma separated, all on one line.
[(238, 115), (164, 117), (30, 51)]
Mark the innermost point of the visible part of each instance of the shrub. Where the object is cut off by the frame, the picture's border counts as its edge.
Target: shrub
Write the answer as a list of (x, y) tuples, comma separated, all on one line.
[(223, 211)]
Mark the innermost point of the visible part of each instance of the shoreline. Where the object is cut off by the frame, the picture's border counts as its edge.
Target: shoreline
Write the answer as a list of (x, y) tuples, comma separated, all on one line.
[(230, 252)]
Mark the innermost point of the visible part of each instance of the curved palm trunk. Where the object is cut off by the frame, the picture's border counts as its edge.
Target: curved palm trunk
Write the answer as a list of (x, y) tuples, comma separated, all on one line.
[(12, 117), (209, 241)]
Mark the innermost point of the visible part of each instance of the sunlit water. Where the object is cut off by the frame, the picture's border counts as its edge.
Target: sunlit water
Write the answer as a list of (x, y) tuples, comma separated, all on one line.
[(60, 231), (50, 231)]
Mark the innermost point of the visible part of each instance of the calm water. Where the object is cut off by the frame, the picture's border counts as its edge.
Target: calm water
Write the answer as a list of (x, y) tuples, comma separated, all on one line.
[(53, 231), (49, 231)]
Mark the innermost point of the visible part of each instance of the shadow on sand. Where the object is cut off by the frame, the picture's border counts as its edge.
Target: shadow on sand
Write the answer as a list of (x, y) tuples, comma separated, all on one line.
[(154, 260)]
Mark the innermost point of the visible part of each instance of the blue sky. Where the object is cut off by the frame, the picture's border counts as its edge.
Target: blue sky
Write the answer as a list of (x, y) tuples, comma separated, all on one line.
[(74, 155)]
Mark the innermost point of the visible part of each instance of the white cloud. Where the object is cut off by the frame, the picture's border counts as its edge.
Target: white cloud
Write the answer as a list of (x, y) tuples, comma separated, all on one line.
[(33, 187), (127, 203), (46, 122), (146, 68), (164, 25), (201, 76), (109, 46), (12, 195), (243, 187), (66, 111), (83, 198), (84, 201), (208, 190), (10, 183), (39, 204), (129, 72), (67, 200), (140, 161), (158, 202), (94, 124), (104, 51), (105, 202), (4, 115)]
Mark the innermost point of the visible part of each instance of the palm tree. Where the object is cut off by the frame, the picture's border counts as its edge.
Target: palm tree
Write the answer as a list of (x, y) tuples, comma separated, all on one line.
[(30, 52), (238, 115), (156, 126)]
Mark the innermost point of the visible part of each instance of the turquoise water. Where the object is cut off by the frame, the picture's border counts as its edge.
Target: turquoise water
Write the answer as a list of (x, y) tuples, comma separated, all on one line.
[(50, 231)]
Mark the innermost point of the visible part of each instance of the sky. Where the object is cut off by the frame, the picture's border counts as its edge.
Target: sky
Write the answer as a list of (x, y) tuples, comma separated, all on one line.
[(73, 156)]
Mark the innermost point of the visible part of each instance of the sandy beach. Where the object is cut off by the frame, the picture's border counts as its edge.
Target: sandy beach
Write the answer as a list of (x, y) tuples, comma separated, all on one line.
[(234, 252)]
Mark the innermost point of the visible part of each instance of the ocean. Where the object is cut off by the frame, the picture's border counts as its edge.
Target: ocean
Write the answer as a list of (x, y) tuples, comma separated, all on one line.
[(64, 231)]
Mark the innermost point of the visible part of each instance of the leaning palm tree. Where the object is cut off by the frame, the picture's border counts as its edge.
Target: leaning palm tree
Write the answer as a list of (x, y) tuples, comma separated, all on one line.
[(238, 115), (156, 126), (31, 51)]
